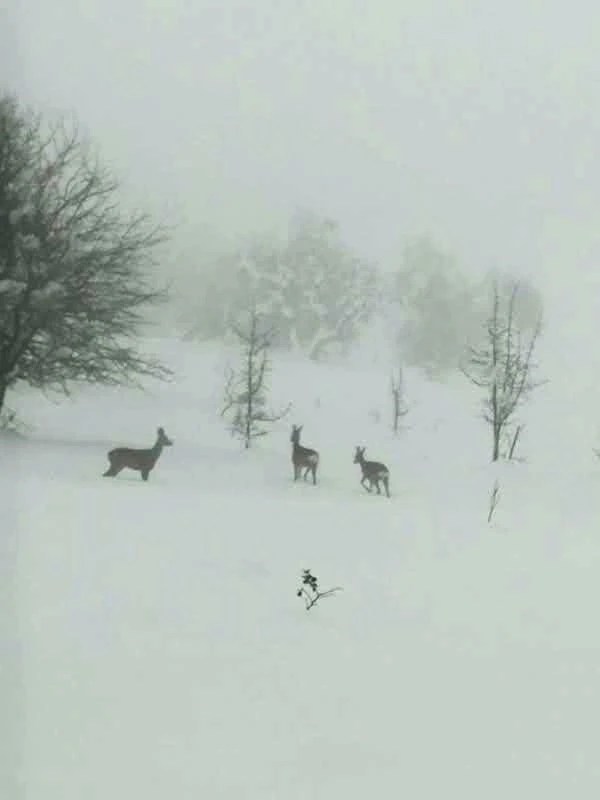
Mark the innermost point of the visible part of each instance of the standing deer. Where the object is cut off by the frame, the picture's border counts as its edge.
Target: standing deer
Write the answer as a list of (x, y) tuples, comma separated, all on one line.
[(141, 460), (373, 472), (303, 457)]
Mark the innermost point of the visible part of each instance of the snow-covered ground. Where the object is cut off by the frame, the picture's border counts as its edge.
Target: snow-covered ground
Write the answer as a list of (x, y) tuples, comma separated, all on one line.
[(154, 645)]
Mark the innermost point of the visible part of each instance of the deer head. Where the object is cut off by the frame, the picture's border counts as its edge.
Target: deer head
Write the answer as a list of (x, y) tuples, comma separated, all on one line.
[(163, 439), (359, 455), (295, 437)]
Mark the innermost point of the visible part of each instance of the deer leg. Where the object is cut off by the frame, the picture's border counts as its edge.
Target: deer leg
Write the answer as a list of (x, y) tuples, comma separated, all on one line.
[(387, 487), (145, 473), (362, 483), (314, 474), (113, 470)]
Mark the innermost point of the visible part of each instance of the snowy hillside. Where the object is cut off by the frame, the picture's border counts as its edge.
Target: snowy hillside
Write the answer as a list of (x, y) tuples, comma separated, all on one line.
[(154, 645)]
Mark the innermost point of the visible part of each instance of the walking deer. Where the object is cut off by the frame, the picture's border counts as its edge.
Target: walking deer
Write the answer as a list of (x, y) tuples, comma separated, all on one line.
[(303, 458), (142, 460), (372, 472)]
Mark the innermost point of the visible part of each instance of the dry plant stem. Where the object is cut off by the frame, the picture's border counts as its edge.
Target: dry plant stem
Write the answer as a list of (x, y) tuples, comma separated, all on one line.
[(397, 391), (494, 500), (311, 600)]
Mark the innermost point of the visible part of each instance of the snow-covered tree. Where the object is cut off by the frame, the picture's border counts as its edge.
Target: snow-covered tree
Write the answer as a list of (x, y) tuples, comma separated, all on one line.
[(246, 389), (440, 309), (436, 306), (315, 293), (328, 293), (74, 269), (503, 366)]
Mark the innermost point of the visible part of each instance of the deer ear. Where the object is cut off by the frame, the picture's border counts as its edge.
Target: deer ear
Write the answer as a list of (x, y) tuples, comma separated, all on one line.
[(161, 430)]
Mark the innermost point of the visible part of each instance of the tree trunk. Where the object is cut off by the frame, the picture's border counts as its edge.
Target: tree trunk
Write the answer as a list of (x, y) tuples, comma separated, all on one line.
[(496, 426), (497, 431), (249, 382)]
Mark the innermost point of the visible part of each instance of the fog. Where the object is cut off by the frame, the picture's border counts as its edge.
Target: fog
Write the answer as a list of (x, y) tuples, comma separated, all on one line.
[(474, 123)]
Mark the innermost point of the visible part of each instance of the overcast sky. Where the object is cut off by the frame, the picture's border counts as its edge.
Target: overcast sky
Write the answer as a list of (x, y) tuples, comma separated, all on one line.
[(476, 122)]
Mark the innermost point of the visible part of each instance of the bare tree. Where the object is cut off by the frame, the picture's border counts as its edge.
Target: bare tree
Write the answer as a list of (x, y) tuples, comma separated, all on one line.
[(245, 401), (503, 366), (75, 271), (399, 408)]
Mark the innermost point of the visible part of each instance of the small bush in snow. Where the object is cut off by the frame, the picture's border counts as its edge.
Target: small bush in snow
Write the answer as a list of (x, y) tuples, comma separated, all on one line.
[(310, 590)]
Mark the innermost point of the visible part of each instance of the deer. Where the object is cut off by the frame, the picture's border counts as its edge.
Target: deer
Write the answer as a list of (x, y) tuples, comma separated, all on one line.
[(373, 472), (303, 457), (141, 460)]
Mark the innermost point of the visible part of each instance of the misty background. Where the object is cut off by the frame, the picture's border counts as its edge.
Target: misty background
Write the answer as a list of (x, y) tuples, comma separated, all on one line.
[(473, 123)]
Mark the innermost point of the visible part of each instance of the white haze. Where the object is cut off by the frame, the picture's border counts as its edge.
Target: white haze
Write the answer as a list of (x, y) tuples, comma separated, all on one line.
[(472, 122)]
